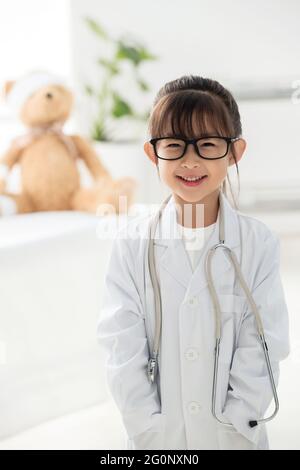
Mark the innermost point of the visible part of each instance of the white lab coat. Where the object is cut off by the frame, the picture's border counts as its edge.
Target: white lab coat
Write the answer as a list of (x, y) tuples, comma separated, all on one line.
[(175, 412)]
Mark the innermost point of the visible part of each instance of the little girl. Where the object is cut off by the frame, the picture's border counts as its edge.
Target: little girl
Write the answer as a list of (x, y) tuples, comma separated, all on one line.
[(195, 135)]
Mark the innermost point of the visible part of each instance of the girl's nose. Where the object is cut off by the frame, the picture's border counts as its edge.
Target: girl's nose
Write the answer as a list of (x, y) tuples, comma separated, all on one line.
[(191, 156)]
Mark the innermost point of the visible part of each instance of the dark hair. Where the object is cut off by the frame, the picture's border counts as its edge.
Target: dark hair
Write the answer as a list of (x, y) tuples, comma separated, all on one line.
[(180, 101)]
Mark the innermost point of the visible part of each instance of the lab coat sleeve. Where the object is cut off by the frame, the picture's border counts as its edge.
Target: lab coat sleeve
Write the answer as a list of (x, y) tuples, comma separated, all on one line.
[(121, 332), (250, 393)]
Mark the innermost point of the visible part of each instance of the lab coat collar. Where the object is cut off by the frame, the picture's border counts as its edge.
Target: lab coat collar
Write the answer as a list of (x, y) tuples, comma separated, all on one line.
[(172, 255)]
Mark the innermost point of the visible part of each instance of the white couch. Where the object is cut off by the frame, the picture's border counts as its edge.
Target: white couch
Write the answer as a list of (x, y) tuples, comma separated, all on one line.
[(52, 267)]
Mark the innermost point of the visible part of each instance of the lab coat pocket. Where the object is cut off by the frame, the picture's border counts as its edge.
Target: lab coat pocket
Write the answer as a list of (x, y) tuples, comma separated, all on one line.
[(152, 438), (232, 310), (230, 439)]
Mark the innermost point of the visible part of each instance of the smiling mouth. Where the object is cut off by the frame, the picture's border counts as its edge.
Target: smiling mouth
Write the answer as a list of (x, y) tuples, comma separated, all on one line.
[(192, 181), (192, 178)]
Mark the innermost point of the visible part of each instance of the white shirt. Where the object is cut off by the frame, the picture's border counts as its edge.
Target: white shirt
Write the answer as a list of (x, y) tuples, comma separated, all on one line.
[(194, 241)]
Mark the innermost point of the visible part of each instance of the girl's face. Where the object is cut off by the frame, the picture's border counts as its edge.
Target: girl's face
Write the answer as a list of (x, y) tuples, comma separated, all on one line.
[(191, 165)]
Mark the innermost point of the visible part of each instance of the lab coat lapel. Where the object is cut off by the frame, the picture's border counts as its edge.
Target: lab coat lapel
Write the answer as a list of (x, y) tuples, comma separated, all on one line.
[(171, 254)]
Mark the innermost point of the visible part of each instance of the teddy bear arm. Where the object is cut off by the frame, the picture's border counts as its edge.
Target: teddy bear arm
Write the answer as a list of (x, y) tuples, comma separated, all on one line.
[(11, 156), (90, 157), (7, 161)]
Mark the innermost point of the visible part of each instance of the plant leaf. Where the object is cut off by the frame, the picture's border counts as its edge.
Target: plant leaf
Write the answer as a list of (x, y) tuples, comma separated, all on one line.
[(110, 65), (98, 130), (127, 52), (96, 28), (146, 55), (120, 107), (135, 54)]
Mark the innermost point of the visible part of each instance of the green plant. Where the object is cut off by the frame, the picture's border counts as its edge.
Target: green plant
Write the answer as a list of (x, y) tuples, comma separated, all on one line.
[(110, 103)]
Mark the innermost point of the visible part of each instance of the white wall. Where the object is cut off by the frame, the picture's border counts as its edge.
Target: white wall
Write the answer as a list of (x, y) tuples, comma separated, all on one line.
[(229, 41), (272, 131), (34, 34)]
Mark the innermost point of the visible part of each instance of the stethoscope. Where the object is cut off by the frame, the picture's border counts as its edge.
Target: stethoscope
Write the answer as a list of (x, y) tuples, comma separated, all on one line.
[(153, 361)]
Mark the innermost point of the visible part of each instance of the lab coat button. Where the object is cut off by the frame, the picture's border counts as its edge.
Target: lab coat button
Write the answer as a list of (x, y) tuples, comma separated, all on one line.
[(191, 354), (194, 407)]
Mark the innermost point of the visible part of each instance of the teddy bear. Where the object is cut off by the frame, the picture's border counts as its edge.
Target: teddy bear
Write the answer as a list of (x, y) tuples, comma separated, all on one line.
[(50, 178)]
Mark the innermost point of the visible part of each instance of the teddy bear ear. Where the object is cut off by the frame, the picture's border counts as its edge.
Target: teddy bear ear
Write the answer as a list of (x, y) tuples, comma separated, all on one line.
[(7, 88)]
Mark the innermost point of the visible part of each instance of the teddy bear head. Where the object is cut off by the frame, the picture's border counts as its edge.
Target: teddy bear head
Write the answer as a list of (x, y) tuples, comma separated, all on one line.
[(50, 104), (40, 99)]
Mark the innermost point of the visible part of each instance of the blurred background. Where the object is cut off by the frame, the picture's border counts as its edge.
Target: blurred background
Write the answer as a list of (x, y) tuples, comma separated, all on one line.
[(115, 56)]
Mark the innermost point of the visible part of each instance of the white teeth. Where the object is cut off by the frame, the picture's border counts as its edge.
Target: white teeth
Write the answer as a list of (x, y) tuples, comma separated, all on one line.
[(192, 179)]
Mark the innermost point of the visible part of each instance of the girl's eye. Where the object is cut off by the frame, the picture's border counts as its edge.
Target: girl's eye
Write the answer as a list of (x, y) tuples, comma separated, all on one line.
[(208, 144), (172, 145)]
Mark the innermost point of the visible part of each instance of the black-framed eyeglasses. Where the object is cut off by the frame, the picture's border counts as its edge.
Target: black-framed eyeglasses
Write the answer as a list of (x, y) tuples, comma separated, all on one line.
[(209, 148)]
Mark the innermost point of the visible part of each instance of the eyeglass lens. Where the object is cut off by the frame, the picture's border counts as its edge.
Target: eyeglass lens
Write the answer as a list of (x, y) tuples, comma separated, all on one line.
[(211, 147)]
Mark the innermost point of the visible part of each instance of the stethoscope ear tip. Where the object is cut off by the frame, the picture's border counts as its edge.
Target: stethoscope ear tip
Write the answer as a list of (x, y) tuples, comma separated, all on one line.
[(252, 424)]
